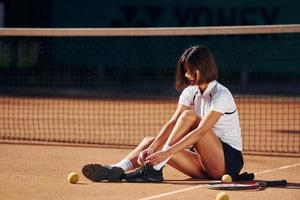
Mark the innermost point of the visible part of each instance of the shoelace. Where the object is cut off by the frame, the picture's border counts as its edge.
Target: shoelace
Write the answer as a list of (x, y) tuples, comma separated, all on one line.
[(142, 170)]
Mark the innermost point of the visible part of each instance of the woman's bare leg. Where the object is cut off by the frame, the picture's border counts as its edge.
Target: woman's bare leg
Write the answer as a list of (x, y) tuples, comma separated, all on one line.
[(185, 161), (211, 154), (184, 124), (209, 157), (206, 161), (188, 163)]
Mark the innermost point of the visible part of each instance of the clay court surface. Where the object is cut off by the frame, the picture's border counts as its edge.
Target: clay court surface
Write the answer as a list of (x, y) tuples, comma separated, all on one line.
[(40, 172)]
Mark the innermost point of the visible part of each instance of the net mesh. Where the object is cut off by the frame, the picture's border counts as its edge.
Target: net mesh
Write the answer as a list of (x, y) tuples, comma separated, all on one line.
[(116, 90)]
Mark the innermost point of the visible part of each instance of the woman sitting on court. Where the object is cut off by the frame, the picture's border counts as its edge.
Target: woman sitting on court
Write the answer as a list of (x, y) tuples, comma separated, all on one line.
[(202, 139)]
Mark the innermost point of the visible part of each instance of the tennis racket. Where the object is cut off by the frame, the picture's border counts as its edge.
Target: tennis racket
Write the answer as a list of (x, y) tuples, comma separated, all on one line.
[(249, 185)]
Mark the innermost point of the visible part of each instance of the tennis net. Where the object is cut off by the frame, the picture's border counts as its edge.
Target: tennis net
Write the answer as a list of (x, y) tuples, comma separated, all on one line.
[(116, 86)]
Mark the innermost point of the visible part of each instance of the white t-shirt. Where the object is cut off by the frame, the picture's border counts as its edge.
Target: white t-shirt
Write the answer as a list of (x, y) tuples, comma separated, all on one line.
[(217, 98)]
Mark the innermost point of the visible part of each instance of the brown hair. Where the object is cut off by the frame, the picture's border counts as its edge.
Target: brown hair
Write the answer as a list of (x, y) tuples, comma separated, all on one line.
[(198, 58)]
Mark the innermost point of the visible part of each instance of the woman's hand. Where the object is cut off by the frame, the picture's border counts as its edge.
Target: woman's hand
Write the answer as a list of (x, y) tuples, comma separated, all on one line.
[(157, 157), (142, 156)]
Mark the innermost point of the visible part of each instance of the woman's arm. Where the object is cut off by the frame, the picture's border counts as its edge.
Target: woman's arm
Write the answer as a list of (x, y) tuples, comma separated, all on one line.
[(164, 133), (208, 121), (162, 136)]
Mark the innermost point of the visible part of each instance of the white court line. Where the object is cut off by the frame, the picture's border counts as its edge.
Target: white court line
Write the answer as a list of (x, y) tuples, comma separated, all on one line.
[(279, 168), (201, 186)]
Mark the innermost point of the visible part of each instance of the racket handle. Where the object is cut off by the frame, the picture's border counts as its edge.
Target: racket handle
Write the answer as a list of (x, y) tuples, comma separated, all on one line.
[(276, 183)]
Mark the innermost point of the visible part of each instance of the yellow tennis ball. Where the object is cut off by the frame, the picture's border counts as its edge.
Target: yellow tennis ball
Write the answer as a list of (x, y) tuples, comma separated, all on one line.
[(222, 196), (73, 177), (226, 178)]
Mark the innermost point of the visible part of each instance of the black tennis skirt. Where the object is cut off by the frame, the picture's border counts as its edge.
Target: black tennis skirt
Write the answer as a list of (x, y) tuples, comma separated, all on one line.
[(233, 160)]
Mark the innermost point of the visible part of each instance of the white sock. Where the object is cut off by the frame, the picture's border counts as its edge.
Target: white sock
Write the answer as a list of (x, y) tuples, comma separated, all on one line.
[(125, 164), (160, 165)]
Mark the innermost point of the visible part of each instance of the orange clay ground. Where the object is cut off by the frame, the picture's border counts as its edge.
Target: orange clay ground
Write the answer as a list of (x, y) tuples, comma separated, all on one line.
[(40, 172)]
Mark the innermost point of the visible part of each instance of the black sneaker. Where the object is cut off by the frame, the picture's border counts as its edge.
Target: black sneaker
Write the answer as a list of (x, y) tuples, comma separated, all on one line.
[(145, 174), (97, 173)]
